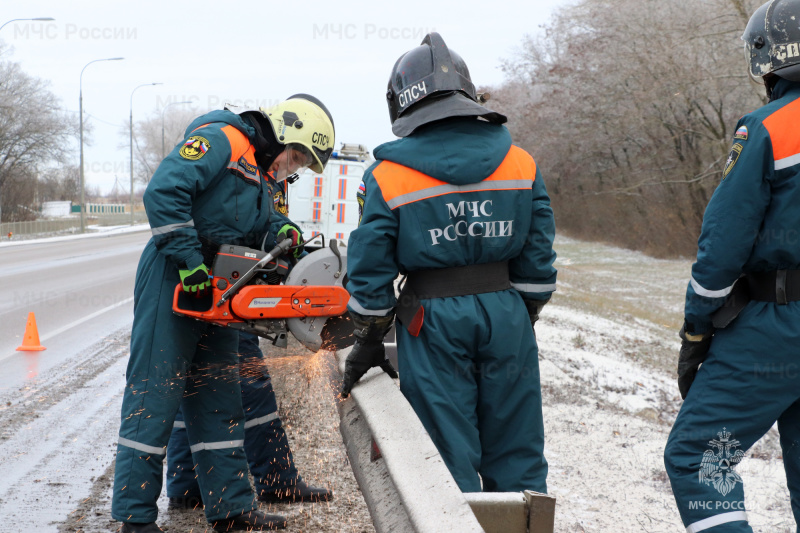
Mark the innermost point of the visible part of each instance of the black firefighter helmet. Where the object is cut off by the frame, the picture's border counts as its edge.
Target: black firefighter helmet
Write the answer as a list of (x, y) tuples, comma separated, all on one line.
[(431, 82), (772, 40)]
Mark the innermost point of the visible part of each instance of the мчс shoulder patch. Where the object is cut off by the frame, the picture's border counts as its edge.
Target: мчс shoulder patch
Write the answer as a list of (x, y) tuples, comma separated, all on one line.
[(279, 203), (360, 197), (741, 133), (733, 157), (195, 147)]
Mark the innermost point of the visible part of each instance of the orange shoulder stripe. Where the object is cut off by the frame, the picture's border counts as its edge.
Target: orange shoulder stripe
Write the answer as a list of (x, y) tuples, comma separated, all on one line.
[(782, 128), (238, 140), (243, 154), (401, 185)]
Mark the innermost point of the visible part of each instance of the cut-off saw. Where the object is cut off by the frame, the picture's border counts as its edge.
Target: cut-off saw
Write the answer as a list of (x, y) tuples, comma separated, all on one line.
[(257, 291)]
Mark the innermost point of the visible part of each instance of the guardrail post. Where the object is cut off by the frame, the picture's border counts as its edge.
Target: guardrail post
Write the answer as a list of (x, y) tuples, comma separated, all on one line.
[(541, 512)]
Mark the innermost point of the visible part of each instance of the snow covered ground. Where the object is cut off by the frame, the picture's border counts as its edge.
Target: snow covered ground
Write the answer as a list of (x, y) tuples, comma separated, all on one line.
[(608, 351), (92, 232)]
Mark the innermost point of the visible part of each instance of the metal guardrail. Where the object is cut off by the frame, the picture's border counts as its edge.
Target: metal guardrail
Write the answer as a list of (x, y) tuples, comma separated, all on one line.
[(405, 483), (403, 478), (29, 228)]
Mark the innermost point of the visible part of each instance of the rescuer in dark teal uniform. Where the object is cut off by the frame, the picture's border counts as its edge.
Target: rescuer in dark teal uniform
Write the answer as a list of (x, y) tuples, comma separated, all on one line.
[(465, 214), (209, 190), (266, 444), (739, 367)]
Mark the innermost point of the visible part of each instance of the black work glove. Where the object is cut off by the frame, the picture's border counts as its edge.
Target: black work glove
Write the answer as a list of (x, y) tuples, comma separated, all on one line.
[(534, 308), (694, 350), (368, 351)]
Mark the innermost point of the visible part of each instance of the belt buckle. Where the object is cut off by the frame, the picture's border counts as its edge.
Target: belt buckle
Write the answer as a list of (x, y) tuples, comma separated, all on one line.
[(780, 287)]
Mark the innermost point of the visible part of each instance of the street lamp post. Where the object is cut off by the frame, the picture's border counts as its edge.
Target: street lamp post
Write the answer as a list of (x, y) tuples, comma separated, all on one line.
[(163, 153), (131, 132), (37, 19), (80, 113)]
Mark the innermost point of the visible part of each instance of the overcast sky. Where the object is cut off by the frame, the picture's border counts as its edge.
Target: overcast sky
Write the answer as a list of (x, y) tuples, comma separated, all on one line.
[(256, 53)]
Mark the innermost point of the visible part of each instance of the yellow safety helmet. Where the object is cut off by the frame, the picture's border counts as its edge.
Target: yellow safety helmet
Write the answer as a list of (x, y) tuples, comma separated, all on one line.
[(303, 120)]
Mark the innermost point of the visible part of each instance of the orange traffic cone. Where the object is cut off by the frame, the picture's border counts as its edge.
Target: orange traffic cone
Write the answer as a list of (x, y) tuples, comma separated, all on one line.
[(30, 343)]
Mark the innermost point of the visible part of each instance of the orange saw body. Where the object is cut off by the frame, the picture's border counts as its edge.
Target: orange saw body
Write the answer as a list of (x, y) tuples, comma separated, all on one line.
[(255, 291), (257, 302)]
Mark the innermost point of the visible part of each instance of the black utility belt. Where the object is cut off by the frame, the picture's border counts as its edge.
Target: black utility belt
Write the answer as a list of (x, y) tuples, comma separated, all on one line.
[(776, 286), (459, 281), (447, 283)]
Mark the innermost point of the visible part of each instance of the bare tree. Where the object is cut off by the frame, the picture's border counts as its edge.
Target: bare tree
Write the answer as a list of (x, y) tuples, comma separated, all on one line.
[(59, 184), (34, 133), (629, 106), (147, 138)]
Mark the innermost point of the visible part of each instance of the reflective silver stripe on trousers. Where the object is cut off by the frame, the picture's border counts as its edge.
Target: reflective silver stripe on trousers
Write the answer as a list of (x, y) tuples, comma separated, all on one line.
[(712, 521), (263, 420), (787, 162), (361, 310), (142, 447), (216, 445), (180, 424), (448, 188), (161, 230), (702, 291), (534, 287)]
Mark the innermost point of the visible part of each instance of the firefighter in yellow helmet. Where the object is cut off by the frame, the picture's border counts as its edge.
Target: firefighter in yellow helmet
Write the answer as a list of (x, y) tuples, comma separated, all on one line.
[(210, 190)]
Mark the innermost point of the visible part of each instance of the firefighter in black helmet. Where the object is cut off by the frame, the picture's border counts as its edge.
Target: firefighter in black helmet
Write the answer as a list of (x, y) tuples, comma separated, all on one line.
[(738, 364), (465, 214)]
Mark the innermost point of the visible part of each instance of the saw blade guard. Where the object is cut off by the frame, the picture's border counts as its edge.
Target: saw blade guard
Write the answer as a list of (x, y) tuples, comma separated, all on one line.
[(327, 267)]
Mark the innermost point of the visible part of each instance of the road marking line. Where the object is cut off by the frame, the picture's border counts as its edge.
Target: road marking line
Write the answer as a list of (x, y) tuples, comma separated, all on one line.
[(85, 319)]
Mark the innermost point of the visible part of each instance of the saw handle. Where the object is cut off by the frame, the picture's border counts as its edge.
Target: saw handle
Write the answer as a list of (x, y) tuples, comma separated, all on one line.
[(276, 252)]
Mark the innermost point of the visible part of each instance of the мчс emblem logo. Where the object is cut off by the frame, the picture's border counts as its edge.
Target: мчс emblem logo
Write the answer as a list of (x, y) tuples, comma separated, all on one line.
[(361, 196), (733, 157), (195, 147), (717, 467), (279, 203)]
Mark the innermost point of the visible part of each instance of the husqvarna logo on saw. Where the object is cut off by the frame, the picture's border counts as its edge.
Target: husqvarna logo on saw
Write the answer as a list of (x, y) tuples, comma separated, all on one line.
[(264, 302), (470, 227)]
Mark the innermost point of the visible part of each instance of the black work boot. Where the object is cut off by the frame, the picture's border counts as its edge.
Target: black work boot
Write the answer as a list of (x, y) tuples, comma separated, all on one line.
[(253, 521), (300, 491), (131, 527), (186, 502)]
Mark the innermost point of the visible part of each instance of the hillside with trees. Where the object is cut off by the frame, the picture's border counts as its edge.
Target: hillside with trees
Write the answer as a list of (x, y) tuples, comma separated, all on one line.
[(629, 108)]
